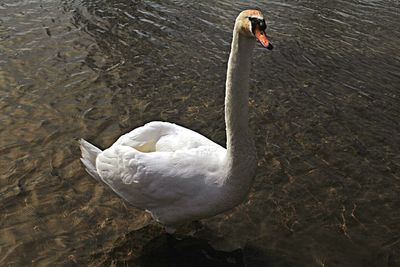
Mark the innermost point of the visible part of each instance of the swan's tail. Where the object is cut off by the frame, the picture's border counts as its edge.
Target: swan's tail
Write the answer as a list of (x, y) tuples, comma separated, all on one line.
[(89, 155)]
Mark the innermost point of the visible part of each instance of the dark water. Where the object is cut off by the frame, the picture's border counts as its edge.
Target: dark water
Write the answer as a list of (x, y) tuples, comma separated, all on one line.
[(325, 112)]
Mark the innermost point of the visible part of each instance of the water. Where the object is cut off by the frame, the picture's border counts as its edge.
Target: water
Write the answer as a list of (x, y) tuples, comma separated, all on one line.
[(325, 112)]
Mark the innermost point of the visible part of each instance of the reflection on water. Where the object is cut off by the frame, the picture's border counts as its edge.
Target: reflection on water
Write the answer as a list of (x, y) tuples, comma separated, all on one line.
[(325, 114)]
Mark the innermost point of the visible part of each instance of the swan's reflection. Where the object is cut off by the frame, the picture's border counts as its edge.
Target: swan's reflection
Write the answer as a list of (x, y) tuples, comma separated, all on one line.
[(169, 250)]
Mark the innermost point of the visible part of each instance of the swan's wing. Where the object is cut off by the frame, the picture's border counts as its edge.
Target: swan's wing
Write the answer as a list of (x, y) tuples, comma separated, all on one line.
[(149, 180), (163, 136)]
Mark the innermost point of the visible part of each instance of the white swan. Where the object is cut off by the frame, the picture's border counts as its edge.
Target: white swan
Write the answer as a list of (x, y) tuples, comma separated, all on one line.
[(177, 174)]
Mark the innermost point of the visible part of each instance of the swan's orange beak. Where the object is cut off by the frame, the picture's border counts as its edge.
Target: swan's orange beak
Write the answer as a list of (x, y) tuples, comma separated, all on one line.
[(262, 37)]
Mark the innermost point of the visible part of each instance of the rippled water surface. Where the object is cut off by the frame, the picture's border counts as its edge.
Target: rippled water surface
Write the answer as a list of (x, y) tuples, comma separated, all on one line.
[(325, 113)]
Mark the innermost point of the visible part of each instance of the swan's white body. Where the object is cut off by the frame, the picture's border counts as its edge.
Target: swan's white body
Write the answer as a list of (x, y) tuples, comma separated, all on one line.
[(177, 174)]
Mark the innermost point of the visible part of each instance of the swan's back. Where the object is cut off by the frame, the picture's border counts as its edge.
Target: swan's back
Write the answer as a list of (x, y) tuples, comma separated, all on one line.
[(164, 136)]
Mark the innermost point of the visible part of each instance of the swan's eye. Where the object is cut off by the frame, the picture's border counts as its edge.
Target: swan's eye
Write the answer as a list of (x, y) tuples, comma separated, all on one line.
[(257, 22), (263, 25)]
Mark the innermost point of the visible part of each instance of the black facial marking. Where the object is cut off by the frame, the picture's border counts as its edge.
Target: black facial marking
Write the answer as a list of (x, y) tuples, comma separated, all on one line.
[(256, 21)]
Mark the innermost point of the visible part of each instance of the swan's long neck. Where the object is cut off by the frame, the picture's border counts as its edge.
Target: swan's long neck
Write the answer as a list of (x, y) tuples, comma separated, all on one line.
[(240, 146)]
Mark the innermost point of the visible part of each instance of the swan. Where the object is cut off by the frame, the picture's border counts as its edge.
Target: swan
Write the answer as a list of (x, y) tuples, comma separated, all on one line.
[(179, 175)]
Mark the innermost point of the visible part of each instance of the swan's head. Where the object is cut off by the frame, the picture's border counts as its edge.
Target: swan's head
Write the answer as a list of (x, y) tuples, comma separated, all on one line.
[(251, 23)]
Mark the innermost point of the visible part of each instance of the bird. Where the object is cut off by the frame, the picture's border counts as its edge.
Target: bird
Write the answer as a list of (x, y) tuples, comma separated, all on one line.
[(176, 174)]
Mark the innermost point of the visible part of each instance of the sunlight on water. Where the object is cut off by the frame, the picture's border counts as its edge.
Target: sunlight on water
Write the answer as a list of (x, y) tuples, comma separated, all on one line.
[(325, 112)]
